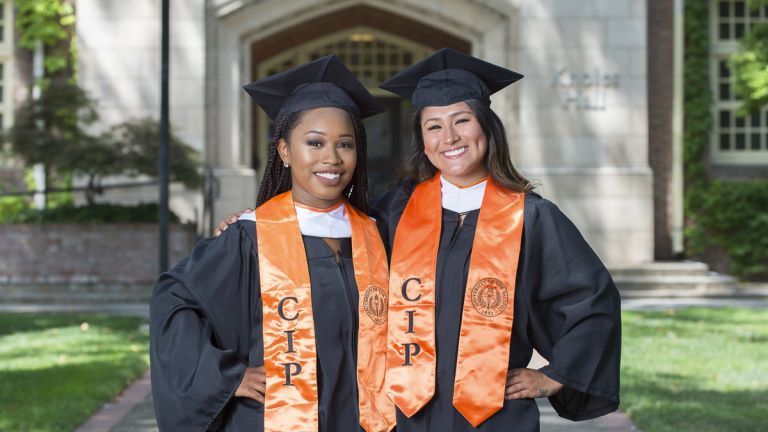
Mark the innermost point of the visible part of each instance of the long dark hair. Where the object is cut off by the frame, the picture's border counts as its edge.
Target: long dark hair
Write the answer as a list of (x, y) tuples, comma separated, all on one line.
[(277, 178), (497, 159)]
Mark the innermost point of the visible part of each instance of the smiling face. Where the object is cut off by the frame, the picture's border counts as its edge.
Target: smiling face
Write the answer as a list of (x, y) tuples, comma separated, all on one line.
[(455, 143), (321, 153)]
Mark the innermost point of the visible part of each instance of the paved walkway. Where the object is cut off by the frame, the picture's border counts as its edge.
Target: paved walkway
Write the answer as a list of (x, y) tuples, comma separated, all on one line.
[(133, 413), (141, 419)]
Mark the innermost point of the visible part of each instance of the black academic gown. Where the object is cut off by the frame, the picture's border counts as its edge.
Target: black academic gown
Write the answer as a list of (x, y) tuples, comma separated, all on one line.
[(566, 307), (206, 327)]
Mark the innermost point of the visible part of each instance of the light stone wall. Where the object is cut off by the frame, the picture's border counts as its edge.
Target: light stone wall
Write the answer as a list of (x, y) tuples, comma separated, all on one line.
[(588, 155), (119, 65)]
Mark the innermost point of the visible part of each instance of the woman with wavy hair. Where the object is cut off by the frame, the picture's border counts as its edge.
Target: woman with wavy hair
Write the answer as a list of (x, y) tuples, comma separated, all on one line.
[(483, 270)]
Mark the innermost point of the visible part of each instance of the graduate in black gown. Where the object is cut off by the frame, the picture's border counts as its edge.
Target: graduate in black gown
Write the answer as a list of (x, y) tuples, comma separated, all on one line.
[(565, 304), (207, 326)]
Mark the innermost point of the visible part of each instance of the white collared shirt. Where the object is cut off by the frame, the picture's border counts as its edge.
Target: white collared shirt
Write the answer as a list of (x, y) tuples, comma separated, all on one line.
[(462, 200), (329, 223)]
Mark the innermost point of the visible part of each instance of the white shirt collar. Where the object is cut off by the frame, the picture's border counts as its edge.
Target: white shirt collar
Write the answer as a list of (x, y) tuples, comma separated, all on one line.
[(330, 223), (462, 200)]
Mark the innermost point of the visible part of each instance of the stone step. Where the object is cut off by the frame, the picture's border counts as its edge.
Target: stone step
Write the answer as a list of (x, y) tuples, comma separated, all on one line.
[(711, 285), (673, 280), (661, 268)]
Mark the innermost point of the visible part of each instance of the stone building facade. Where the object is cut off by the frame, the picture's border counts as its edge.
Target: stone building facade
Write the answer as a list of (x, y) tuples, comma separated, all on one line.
[(578, 123)]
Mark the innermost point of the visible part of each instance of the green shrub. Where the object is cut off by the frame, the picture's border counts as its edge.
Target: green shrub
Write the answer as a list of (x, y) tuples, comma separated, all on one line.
[(96, 213), (12, 206), (734, 217)]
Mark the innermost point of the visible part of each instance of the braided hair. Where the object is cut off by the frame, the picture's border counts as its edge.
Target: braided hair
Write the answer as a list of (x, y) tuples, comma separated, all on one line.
[(277, 177)]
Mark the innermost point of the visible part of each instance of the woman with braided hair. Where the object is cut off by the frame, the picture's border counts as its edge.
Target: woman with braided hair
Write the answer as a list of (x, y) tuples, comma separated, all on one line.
[(279, 324)]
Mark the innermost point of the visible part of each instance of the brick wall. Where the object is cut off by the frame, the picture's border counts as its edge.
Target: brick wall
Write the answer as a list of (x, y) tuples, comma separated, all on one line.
[(86, 254)]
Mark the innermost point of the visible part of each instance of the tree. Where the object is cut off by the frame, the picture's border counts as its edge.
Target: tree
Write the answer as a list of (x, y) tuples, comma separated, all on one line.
[(51, 129), (54, 130), (138, 142)]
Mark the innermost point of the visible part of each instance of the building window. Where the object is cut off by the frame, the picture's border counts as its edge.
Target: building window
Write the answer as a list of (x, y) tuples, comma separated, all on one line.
[(373, 56), (735, 140)]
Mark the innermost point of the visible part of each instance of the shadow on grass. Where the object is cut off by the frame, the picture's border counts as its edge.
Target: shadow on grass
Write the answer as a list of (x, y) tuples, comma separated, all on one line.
[(671, 402)]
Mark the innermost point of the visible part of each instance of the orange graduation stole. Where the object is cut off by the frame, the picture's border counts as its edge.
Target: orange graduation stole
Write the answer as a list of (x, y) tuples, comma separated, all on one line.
[(486, 321), (288, 325)]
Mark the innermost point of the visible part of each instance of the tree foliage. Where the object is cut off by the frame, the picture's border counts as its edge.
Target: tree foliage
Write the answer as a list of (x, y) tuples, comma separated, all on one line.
[(55, 130), (750, 66), (48, 22)]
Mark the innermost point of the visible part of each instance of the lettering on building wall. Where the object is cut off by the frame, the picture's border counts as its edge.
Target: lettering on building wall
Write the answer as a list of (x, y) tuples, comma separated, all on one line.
[(586, 91)]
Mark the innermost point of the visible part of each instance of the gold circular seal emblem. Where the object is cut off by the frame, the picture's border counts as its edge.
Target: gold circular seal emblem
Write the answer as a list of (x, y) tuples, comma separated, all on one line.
[(375, 304), (489, 297)]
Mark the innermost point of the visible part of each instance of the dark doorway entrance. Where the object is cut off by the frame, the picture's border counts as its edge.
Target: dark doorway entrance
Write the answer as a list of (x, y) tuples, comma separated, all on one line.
[(389, 141)]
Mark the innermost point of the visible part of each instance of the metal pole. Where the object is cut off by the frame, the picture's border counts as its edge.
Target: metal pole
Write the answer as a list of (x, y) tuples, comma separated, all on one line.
[(164, 137)]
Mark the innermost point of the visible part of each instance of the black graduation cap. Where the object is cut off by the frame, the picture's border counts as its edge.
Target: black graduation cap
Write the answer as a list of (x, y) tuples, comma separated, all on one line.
[(324, 82), (447, 77)]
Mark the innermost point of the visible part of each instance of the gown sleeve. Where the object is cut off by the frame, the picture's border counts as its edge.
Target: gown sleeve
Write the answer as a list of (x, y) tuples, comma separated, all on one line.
[(575, 313), (387, 209), (199, 330)]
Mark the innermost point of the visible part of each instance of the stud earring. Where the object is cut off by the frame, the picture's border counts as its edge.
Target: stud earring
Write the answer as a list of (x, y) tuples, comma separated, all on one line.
[(286, 164)]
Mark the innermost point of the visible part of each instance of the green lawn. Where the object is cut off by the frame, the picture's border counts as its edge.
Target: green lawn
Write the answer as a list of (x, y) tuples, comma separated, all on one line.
[(58, 369), (696, 369)]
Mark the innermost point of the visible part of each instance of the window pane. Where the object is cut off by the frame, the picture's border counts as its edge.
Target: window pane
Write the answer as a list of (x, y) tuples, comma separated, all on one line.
[(754, 142), (725, 31), (725, 119), (725, 142), (754, 13), (725, 92), (738, 30), (724, 71), (725, 10), (754, 120), (738, 9), (740, 121), (741, 141)]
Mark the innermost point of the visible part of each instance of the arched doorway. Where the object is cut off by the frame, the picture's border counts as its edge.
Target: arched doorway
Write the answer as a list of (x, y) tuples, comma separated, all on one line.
[(374, 45)]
